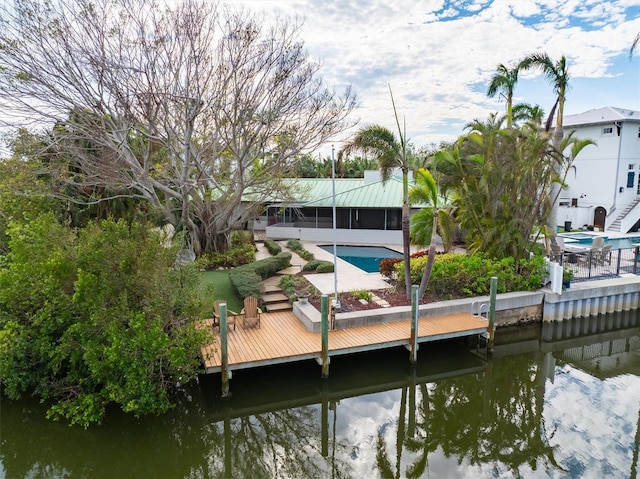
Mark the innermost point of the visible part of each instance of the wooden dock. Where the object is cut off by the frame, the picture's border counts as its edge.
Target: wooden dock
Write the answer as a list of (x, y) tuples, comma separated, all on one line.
[(282, 338)]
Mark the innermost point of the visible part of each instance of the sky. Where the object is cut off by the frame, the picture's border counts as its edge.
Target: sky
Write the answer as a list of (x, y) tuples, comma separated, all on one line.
[(438, 56)]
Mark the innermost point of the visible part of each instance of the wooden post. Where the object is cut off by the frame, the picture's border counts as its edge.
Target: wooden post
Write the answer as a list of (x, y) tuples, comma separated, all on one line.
[(324, 316), (492, 311), (223, 350), (415, 312)]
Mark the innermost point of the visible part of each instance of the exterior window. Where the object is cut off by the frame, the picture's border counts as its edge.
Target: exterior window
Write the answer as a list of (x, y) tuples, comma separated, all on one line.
[(631, 177), (607, 130), (639, 132), (631, 166)]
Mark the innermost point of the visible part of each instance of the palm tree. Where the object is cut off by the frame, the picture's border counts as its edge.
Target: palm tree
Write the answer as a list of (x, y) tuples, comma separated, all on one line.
[(429, 220), (390, 152), (504, 81), (558, 74), (527, 113)]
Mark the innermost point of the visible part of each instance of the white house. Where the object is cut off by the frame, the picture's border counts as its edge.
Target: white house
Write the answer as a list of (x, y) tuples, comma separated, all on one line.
[(368, 211), (604, 185)]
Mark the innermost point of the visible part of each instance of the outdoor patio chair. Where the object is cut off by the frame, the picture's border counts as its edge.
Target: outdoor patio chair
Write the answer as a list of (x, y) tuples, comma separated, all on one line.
[(231, 315), (597, 242), (603, 256), (250, 314)]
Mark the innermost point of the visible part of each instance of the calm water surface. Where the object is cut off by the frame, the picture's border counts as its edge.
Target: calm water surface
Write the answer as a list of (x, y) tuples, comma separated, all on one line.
[(559, 401)]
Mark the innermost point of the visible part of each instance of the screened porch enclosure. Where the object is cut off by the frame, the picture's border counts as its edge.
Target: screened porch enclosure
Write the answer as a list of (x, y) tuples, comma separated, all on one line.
[(384, 219)]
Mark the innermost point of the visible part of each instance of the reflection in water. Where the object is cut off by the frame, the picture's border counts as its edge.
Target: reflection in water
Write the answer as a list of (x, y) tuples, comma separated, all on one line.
[(558, 401)]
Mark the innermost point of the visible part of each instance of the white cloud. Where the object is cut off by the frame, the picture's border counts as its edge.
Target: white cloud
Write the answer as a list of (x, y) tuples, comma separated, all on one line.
[(439, 56)]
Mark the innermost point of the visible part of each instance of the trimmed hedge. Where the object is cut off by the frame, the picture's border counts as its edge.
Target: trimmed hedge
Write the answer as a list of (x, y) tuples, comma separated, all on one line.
[(325, 267), (273, 247), (459, 275), (318, 265), (296, 245), (246, 279)]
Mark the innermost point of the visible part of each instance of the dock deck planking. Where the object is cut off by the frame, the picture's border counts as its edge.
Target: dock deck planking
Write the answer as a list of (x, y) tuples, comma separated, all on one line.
[(283, 338)]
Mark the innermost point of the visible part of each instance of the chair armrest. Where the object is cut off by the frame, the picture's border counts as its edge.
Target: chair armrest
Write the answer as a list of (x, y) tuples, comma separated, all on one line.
[(259, 311), (232, 313)]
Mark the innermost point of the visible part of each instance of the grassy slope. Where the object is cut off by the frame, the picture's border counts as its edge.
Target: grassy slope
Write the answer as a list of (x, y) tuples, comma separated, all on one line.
[(222, 289)]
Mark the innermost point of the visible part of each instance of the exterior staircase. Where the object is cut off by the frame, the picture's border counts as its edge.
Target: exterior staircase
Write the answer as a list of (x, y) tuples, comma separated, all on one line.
[(617, 224), (273, 298)]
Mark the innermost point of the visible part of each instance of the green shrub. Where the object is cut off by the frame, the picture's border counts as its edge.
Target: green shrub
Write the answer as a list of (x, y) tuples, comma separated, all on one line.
[(273, 247), (361, 294), (312, 265), (246, 279), (241, 238), (325, 267), (458, 275), (294, 245), (306, 255), (235, 256), (95, 318)]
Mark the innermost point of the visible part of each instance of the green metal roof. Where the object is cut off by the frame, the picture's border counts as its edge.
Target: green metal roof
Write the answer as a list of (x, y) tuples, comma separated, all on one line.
[(350, 193)]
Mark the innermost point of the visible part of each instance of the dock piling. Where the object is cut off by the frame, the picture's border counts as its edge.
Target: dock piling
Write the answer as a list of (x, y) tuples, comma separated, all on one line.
[(324, 317), (492, 311), (224, 354)]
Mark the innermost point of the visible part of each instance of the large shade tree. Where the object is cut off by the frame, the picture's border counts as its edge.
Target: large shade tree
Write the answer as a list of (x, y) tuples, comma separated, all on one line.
[(189, 106)]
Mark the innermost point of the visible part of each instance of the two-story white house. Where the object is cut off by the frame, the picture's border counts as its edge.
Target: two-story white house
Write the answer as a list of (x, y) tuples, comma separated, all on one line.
[(604, 183)]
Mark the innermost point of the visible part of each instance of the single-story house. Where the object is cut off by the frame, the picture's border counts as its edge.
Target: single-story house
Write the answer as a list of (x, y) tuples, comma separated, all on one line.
[(368, 211)]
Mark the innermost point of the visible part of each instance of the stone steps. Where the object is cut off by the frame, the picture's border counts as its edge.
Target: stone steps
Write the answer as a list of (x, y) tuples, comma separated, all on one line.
[(273, 298), (278, 307)]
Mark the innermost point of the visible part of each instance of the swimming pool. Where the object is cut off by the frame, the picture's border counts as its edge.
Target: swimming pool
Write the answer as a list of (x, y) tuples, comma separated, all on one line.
[(584, 239), (366, 258)]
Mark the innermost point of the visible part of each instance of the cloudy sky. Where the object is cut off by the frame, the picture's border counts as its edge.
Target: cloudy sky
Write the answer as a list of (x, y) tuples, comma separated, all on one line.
[(438, 55)]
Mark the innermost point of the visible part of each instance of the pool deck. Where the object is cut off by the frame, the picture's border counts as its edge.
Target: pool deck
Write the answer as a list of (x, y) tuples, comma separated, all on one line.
[(350, 277)]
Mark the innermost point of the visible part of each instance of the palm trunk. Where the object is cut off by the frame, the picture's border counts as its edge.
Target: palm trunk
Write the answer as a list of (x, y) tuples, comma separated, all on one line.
[(430, 260), (406, 247)]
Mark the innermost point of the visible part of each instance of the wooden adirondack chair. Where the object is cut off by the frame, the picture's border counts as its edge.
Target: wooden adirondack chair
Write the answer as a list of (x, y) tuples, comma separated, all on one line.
[(231, 315), (250, 314)]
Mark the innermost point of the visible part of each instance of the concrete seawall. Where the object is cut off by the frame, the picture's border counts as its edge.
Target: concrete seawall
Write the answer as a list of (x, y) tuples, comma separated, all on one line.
[(582, 299)]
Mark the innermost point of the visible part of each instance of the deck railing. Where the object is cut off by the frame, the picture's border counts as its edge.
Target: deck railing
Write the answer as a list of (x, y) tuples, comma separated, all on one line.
[(599, 264)]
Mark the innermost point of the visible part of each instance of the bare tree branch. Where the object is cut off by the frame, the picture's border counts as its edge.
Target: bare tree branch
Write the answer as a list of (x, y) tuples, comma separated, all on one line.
[(191, 107)]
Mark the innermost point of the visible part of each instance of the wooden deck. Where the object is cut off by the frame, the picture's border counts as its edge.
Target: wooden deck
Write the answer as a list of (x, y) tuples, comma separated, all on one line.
[(282, 338)]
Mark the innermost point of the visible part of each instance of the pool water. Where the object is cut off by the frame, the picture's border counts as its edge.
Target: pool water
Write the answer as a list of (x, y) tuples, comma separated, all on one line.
[(366, 258), (584, 239)]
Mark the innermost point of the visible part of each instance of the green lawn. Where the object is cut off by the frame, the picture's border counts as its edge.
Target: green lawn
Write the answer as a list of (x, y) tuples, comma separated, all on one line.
[(222, 289)]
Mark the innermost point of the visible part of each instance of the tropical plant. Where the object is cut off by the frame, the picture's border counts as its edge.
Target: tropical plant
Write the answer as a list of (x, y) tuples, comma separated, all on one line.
[(557, 73), (390, 152), (430, 220), (504, 82), (502, 182)]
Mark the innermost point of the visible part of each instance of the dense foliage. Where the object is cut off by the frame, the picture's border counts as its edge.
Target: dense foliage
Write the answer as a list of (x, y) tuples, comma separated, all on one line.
[(459, 275), (246, 279), (242, 251), (95, 317)]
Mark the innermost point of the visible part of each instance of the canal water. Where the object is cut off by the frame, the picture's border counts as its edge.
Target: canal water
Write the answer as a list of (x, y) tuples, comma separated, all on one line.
[(559, 400)]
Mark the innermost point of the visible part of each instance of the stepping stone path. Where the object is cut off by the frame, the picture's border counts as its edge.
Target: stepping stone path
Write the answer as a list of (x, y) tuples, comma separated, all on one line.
[(273, 297)]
